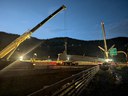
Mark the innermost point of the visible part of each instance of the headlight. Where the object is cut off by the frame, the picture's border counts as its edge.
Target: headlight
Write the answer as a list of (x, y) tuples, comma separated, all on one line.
[(21, 58), (108, 60)]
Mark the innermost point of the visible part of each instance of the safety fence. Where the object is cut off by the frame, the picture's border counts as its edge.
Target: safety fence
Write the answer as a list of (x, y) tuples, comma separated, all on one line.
[(71, 86)]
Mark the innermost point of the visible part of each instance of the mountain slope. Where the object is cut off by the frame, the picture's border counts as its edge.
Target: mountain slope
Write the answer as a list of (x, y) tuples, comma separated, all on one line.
[(52, 47)]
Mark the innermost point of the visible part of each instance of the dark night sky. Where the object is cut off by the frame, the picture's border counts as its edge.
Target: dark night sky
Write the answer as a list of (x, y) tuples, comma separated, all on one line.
[(81, 20)]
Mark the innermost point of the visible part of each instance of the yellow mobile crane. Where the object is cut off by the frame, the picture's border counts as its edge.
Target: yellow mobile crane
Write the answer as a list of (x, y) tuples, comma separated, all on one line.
[(13, 45)]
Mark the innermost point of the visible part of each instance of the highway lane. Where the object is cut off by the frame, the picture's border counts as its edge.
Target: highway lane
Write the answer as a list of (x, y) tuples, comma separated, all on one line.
[(25, 68), (18, 65)]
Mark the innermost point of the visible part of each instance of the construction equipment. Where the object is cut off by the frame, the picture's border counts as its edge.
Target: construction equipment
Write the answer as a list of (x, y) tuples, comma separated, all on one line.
[(67, 63), (13, 45)]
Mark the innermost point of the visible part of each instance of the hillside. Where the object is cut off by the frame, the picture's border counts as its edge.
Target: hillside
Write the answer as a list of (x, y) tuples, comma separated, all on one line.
[(54, 46)]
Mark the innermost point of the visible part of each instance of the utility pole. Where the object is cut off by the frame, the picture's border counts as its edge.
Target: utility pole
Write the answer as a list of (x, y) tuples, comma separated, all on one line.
[(65, 45)]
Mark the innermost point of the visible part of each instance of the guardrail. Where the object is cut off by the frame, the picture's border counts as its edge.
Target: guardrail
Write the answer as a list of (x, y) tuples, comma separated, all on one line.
[(70, 86)]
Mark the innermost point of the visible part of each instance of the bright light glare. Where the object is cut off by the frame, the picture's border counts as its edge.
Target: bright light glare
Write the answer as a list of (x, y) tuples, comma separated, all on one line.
[(21, 58), (35, 54), (29, 37), (108, 60), (68, 58)]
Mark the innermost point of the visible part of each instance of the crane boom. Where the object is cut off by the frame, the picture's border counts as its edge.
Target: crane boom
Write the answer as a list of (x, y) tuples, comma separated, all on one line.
[(13, 45)]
